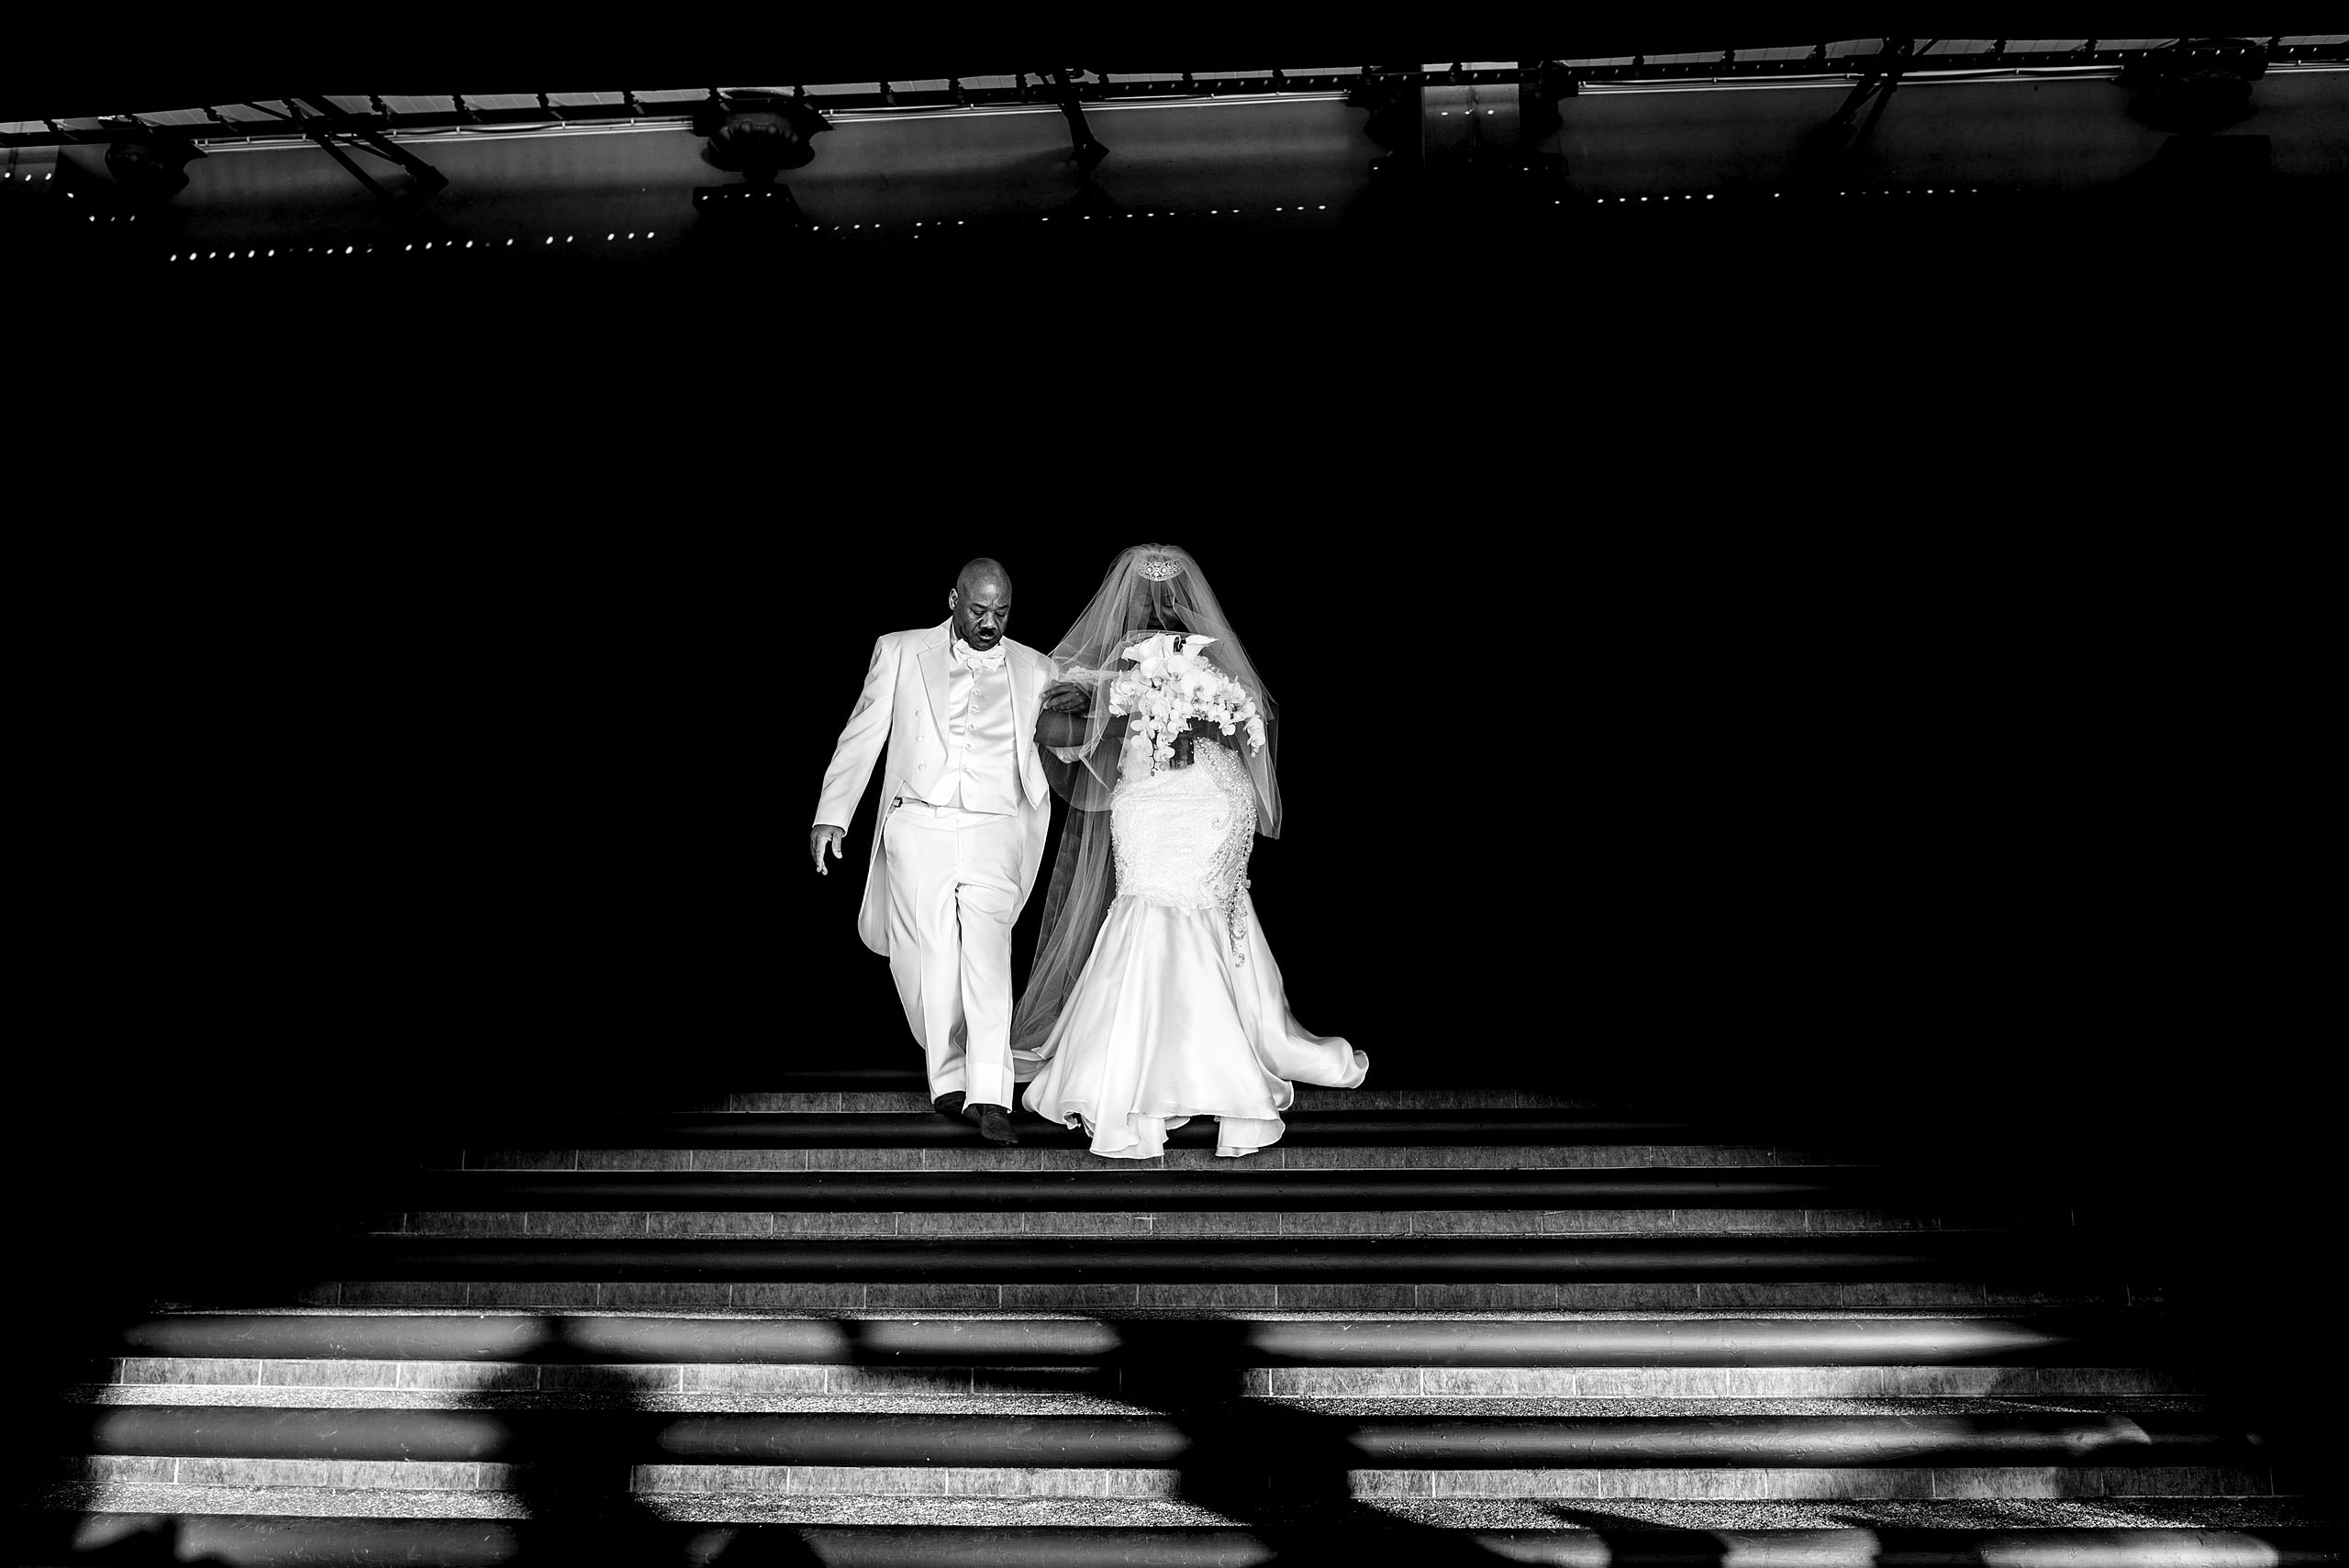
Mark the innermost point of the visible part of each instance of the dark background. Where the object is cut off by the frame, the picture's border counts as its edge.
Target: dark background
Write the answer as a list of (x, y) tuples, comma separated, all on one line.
[(1832, 677), (1908, 828), (1941, 845), (1551, 800)]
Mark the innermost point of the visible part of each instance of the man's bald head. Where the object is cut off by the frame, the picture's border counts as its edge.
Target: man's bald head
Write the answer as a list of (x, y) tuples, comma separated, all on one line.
[(977, 573), (981, 602)]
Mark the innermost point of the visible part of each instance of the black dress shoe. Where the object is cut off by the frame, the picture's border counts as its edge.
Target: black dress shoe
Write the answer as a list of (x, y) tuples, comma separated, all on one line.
[(994, 1122), (948, 1104)]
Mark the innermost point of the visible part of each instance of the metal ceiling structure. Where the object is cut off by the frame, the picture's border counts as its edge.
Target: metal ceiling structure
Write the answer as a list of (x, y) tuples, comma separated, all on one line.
[(70, 65), (1268, 150), (373, 113)]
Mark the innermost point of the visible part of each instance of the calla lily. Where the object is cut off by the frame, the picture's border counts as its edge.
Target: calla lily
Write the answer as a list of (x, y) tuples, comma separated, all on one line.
[(1170, 687)]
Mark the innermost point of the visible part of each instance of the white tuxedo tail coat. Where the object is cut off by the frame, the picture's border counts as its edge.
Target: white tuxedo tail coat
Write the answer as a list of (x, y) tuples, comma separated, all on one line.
[(904, 703)]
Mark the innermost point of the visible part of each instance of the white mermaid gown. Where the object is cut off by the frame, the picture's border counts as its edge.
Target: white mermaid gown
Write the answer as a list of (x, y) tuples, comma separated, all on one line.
[(1179, 1012)]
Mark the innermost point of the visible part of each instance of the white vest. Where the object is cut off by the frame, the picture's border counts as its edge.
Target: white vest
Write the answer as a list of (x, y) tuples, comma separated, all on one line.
[(982, 773)]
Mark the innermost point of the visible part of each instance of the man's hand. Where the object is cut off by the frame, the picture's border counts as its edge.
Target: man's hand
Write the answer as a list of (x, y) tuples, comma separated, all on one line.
[(820, 837), (1067, 696)]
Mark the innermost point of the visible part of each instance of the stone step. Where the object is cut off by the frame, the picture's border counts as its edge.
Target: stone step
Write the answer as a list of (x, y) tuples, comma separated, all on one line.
[(1627, 1343), (1040, 1483), (326, 1528), (1000, 1392), (284, 1379), (1859, 1259), (915, 1100), (924, 1127), (1233, 1186), (1046, 1149), (1139, 1224), (1207, 1293), (1370, 1483), (905, 1075), (1410, 1435)]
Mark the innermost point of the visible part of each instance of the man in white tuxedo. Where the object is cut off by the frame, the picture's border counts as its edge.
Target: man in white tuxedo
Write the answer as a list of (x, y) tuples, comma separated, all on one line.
[(965, 806)]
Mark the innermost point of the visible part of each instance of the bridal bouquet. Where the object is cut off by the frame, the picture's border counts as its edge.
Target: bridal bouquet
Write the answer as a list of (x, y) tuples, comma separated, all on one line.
[(1170, 687)]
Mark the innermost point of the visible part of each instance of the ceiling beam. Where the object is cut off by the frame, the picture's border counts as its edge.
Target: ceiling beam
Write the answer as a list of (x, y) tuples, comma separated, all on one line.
[(242, 54)]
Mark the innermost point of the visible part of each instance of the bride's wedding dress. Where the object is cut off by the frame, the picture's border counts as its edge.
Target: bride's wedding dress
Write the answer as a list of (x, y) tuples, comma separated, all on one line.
[(1179, 1011)]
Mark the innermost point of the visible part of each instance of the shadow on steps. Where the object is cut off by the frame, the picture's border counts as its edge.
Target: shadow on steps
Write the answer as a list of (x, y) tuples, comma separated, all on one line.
[(1283, 1473)]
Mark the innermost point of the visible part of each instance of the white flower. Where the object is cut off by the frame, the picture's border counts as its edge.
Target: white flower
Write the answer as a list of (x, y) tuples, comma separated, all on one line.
[(1154, 647), (1171, 688)]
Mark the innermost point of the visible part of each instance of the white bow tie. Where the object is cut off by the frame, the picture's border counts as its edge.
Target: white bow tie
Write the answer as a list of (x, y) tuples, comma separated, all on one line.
[(971, 657)]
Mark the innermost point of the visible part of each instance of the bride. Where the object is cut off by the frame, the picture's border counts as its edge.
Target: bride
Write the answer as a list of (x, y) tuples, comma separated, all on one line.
[(1154, 997)]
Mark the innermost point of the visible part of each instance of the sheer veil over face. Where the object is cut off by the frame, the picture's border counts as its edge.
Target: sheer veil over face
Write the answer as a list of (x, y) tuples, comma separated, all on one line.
[(1150, 588)]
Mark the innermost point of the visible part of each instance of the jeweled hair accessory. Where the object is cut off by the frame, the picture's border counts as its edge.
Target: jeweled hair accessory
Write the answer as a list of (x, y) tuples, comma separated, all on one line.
[(1159, 568)]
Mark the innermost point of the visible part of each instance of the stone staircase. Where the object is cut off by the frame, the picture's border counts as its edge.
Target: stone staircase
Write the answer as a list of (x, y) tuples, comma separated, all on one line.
[(820, 1324)]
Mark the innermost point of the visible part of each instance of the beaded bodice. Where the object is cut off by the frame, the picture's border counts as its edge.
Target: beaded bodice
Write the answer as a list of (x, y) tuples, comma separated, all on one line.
[(1183, 836)]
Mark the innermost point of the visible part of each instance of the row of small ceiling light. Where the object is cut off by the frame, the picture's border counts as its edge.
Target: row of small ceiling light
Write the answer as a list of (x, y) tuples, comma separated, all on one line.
[(232, 254), (942, 223)]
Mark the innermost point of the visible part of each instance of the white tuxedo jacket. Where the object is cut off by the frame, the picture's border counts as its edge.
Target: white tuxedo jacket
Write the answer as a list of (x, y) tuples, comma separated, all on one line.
[(903, 702)]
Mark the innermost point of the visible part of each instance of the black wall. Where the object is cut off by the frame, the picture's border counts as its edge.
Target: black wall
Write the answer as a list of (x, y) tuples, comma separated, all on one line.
[(406, 821), (1793, 707)]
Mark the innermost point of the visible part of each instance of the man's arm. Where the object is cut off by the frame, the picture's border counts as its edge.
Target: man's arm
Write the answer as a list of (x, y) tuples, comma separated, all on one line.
[(853, 755), (1068, 696), (1055, 728), (1061, 723)]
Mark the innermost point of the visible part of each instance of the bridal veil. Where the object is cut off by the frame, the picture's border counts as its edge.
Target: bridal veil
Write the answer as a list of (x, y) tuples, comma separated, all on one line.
[(1149, 588)]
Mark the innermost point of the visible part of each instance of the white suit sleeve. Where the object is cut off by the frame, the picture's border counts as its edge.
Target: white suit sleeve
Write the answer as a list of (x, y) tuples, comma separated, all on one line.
[(861, 741)]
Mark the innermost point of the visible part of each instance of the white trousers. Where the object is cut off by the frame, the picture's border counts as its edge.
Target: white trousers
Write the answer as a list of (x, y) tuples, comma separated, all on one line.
[(954, 880)]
